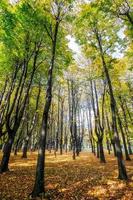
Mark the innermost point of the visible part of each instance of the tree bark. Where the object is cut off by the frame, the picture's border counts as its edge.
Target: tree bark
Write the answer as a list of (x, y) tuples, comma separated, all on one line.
[(122, 174), (61, 129), (101, 151), (6, 154), (39, 189)]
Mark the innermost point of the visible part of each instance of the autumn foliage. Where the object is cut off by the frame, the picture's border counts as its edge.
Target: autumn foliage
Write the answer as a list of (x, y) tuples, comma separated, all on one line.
[(85, 178)]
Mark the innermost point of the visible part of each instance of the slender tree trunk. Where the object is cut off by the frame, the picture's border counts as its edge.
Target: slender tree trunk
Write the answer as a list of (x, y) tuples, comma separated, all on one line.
[(123, 138), (25, 147), (61, 136), (90, 133), (39, 189), (122, 174), (16, 146), (126, 124), (101, 151), (110, 135), (108, 145), (98, 150), (58, 122), (66, 139)]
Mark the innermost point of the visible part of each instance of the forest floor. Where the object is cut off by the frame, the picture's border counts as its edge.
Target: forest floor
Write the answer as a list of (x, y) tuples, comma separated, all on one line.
[(82, 179)]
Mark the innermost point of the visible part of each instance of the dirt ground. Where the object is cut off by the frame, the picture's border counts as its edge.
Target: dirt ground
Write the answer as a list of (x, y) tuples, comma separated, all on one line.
[(82, 179)]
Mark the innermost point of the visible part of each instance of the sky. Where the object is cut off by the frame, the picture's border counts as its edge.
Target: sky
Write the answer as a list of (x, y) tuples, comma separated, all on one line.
[(77, 53), (13, 1)]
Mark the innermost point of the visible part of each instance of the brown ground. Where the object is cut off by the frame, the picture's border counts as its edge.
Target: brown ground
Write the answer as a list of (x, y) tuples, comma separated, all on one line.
[(83, 179)]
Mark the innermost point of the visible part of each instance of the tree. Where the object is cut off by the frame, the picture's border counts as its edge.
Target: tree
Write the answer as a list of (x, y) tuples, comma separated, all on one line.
[(25, 58), (58, 9), (96, 28)]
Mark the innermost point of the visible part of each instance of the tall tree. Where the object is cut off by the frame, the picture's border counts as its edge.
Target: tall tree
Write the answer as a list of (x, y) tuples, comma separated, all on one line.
[(57, 11), (93, 21)]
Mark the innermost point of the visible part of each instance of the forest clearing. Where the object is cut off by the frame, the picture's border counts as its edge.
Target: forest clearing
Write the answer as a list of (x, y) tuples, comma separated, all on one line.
[(85, 178), (66, 99)]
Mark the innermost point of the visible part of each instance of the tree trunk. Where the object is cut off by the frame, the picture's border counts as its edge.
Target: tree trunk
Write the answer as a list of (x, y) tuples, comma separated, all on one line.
[(58, 122), (16, 147), (98, 150), (122, 174), (61, 129), (123, 138), (101, 151), (126, 124), (25, 148), (38, 189), (6, 154), (108, 145)]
